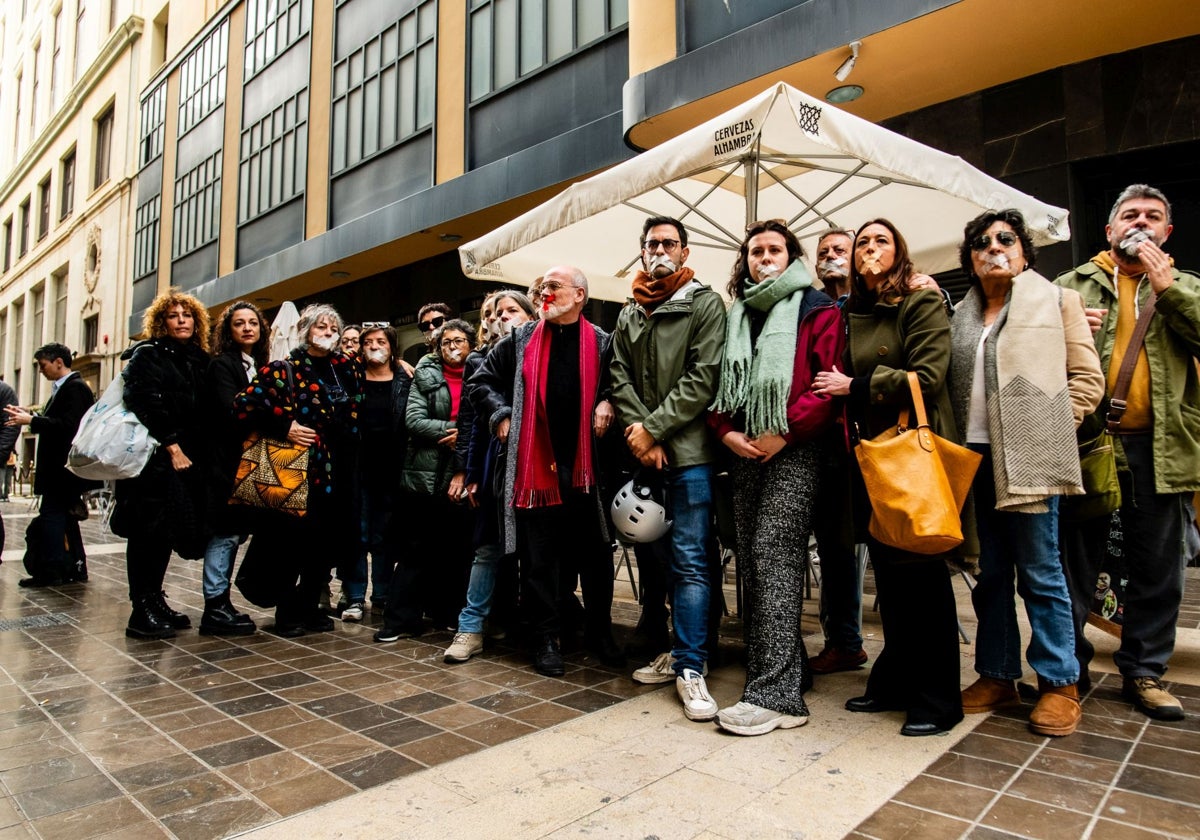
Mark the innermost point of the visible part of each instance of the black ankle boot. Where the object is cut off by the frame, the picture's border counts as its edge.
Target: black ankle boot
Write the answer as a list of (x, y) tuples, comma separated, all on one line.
[(220, 619), (158, 604), (146, 623)]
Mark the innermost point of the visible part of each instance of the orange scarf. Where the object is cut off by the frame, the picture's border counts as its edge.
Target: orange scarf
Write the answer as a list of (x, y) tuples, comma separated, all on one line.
[(651, 291)]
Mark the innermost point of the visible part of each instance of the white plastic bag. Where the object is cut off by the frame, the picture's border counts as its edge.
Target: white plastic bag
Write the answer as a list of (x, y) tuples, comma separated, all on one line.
[(111, 442)]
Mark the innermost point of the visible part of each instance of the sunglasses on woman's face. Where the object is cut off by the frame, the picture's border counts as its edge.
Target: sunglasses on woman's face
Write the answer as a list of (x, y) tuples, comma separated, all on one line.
[(1005, 238), (432, 324)]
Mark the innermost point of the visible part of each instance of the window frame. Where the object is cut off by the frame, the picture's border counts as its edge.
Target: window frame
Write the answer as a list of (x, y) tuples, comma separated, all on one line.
[(44, 199), (68, 167), (102, 149)]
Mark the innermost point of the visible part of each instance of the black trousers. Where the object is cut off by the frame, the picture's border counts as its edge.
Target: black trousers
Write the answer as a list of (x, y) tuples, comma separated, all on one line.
[(59, 546), (147, 553), (433, 561), (1152, 525), (918, 668), (560, 542)]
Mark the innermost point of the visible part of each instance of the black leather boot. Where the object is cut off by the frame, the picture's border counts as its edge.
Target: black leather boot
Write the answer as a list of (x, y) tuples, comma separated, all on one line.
[(146, 623), (547, 658), (221, 619), (176, 619)]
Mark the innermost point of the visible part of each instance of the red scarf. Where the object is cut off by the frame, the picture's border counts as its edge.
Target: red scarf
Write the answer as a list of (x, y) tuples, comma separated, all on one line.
[(537, 472), (651, 291)]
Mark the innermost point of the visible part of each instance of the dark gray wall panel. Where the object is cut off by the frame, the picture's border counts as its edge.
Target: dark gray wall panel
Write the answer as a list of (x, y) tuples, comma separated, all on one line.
[(384, 179), (283, 78), (273, 232), (198, 267), (143, 295), (583, 88), (787, 38), (705, 21), (359, 20), (200, 143), (149, 181), (560, 159)]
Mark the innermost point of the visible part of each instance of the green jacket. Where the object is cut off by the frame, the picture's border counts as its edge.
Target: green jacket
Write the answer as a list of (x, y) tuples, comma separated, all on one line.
[(886, 343), (1172, 347), (428, 466), (664, 371)]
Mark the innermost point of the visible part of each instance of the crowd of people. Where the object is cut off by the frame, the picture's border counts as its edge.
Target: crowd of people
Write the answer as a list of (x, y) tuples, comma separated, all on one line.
[(472, 492)]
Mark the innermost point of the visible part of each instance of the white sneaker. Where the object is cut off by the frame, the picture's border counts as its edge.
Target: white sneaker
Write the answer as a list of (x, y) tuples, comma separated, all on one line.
[(697, 702), (661, 670), (353, 611), (744, 718), (464, 646)]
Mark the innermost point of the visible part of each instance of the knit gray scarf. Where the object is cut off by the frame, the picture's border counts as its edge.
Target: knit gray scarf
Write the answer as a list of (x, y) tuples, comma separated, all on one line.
[(757, 378)]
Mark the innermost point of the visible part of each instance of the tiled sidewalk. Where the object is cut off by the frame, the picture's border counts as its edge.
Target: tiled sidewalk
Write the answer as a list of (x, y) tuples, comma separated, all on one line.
[(201, 737)]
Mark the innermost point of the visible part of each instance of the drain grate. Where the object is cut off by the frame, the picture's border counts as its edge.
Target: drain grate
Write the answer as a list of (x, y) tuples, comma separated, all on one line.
[(29, 622)]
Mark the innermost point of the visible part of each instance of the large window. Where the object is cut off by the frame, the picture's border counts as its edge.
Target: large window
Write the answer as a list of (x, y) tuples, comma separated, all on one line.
[(59, 330), (197, 207), (17, 117), (33, 96), (154, 111), (271, 27), (91, 334), (23, 245), (512, 38), (202, 78), (37, 327), (383, 91), (56, 62), (81, 38), (43, 208), (103, 160), (66, 200), (273, 157), (8, 236), (145, 237)]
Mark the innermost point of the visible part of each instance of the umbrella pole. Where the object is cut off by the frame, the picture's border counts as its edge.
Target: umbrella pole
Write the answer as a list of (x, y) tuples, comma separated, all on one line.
[(751, 180)]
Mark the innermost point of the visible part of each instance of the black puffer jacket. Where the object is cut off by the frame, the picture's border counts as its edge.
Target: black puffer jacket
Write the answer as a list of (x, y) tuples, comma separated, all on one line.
[(164, 387)]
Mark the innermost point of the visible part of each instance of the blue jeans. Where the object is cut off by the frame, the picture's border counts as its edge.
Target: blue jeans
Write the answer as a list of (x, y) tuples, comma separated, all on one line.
[(480, 588), (690, 507), (218, 563), (1024, 545)]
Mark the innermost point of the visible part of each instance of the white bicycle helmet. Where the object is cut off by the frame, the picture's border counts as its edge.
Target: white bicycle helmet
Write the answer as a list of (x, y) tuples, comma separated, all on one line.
[(638, 516)]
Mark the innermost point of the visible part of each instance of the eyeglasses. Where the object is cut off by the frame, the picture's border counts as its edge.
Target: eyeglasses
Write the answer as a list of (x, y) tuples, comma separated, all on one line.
[(551, 286), (377, 325), (432, 324), (451, 342), (1006, 238), (653, 245)]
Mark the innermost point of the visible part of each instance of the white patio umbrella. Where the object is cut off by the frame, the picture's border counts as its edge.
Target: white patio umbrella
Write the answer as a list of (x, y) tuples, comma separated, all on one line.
[(284, 337), (782, 154)]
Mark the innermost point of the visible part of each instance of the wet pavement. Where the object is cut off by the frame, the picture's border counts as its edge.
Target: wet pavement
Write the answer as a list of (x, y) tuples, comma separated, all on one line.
[(333, 735)]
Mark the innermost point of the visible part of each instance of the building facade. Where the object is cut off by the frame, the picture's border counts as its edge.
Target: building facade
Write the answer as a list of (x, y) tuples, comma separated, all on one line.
[(341, 149)]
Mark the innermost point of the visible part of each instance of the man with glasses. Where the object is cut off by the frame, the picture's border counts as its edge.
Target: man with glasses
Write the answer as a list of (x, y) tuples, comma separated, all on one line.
[(667, 351), (1158, 437), (540, 386)]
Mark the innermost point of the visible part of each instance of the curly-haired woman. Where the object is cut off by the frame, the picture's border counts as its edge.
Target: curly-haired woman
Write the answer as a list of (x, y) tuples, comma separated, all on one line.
[(163, 507)]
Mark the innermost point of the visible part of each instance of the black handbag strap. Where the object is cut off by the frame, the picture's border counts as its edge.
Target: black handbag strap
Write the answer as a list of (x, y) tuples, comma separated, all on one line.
[(1117, 403)]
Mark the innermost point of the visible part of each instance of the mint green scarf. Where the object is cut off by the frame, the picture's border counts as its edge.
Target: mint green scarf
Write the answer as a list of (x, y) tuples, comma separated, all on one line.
[(761, 382)]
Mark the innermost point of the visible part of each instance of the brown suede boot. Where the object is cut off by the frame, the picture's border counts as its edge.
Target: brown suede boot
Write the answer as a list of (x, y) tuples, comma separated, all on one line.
[(1057, 711), (987, 694)]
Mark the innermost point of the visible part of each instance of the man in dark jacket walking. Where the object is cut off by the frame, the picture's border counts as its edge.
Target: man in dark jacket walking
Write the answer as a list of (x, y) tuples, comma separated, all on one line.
[(8, 439), (56, 554)]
